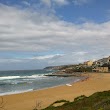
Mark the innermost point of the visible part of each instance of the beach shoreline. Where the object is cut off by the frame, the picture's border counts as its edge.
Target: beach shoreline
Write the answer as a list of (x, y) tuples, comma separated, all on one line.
[(32, 90), (26, 101)]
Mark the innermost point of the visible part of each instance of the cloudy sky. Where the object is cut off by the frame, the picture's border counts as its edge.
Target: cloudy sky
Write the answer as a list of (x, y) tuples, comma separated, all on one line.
[(39, 33)]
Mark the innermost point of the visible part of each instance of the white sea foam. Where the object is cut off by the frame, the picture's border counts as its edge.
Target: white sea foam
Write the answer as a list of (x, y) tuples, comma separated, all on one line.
[(23, 77), (35, 76), (27, 81), (15, 92), (9, 77), (77, 80)]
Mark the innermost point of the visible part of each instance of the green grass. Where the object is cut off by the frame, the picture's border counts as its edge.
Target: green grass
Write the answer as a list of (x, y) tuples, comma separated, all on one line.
[(97, 101)]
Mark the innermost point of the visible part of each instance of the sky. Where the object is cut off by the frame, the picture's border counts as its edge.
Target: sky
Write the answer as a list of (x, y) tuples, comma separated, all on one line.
[(39, 33)]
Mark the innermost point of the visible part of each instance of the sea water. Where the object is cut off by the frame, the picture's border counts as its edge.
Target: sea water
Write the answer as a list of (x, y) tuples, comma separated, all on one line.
[(12, 82)]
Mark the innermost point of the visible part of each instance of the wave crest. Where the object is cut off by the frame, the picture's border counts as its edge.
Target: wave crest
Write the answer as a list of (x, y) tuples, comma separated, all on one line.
[(23, 77)]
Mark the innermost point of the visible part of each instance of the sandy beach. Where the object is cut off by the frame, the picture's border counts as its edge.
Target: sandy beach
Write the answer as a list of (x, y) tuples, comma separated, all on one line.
[(26, 101)]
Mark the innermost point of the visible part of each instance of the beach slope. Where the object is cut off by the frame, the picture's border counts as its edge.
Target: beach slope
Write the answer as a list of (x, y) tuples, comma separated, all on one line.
[(27, 101)]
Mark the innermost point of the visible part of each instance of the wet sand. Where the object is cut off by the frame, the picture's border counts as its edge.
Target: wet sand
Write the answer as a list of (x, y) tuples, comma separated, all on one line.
[(27, 101)]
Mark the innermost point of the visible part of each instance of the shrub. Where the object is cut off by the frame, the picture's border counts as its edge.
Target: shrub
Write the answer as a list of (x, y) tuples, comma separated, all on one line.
[(97, 101), (80, 98)]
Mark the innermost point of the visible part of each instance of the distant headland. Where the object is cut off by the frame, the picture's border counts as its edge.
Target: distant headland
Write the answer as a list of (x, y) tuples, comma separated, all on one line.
[(101, 65)]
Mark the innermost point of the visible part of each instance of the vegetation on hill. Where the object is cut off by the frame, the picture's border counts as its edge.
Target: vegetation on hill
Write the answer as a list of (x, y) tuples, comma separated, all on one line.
[(82, 67), (97, 101), (78, 69)]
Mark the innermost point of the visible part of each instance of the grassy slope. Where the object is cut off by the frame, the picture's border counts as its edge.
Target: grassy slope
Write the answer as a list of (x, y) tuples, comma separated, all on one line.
[(97, 101)]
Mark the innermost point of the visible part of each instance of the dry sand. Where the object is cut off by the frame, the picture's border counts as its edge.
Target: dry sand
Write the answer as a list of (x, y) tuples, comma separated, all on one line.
[(27, 101)]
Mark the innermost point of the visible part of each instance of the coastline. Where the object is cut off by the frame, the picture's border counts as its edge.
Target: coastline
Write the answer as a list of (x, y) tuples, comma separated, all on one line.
[(26, 101), (31, 90)]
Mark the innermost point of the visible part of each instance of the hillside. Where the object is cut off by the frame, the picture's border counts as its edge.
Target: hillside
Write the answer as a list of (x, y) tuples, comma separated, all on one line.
[(87, 66), (97, 101)]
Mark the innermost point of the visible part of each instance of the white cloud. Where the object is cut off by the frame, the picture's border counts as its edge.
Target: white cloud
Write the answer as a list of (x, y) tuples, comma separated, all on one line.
[(52, 3), (61, 2), (10, 60), (26, 3), (46, 57), (108, 14), (24, 30), (80, 53), (46, 2), (73, 58), (81, 2)]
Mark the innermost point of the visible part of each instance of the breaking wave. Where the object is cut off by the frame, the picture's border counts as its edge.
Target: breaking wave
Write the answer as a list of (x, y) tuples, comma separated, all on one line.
[(23, 77)]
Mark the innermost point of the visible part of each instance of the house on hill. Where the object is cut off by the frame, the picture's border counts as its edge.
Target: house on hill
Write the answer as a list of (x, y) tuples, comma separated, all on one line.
[(102, 61), (88, 63)]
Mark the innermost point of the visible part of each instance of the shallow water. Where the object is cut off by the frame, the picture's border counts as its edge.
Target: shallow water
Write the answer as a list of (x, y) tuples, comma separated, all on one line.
[(12, 82)]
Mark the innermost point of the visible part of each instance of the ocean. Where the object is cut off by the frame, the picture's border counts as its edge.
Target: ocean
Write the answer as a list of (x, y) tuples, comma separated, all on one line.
[(13, 82)]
